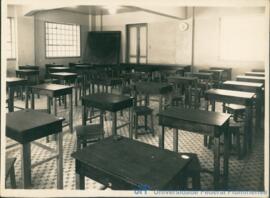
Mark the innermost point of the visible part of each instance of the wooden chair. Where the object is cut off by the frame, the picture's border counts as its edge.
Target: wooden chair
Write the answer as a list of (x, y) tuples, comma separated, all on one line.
[(142, 110), (10, 171), (88, 134)]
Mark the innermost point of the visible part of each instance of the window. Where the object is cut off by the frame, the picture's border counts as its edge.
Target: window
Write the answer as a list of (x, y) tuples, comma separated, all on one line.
[(11, 47), (62, 40)]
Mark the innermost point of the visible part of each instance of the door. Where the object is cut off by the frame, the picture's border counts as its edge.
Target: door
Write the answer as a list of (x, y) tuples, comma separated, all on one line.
[(136, 48)]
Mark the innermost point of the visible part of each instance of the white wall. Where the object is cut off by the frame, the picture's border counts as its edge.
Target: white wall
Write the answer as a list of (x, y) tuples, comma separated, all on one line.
[(166, 43), (208, 35), (24, 29), (60, 17)]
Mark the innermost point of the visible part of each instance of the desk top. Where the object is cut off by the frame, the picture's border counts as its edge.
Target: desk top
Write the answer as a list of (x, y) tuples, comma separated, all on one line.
[(230, 93), (28, 125), (133, 162), (240, 83), (251, 77), (255, 74), (195, 115), (107, 101), (51, 87), (27, 71), (64, 74), (153, 87), (13, 81), (59, 68)]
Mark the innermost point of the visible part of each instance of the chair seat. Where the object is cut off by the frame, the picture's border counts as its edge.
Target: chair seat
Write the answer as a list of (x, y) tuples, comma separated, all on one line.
[(90, 131), (142, 110), (9, 164)]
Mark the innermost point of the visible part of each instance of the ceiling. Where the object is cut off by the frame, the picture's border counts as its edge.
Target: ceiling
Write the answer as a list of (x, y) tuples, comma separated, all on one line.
[(100, 10)]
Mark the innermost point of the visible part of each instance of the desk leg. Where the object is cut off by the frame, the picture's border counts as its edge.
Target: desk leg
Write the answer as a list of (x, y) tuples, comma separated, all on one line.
[(227, 136), (26, 165), (59, 160), (32, 100), (175, 140), (84, 115), (11, 100), (130, 112), (71, 113), (76, 92), (161, 137), (258, 111), (216, 162), (80, 182), (114, 123), (26, 97), (160, 103), (247, 131)]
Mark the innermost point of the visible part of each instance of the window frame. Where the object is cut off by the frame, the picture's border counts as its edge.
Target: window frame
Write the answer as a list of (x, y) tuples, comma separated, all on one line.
[(13, 38), (45, 40)]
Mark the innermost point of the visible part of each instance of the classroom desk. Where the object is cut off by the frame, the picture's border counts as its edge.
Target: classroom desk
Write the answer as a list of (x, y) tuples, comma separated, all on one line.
[(249, 87), (203, 75), (256, 79), (227, 74), (155, 88), (203, 122), (262, 74), (53, 91), (59, 69), (187, 83), (66, 78), (85, 72), (27, 73), (235, 97), (25, 127), (108, 102), (12, 83), (126, 164), (217, 75)]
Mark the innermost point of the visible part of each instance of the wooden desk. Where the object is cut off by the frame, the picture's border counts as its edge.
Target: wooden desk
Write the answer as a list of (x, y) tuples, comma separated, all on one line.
[(127, 164), (26, 126), (249, 87), (47, 68), (262, 74), (12, 83), (235, 97), (187, 83), (85, 71), (203, 122), (163, 90), (256, 79), (53, 91), (27, 74), (67, 78), (227, 72), (108, 102), (203, 75), (59, 69)]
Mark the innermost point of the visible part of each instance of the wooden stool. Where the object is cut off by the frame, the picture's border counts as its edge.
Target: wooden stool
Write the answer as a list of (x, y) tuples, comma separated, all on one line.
[(10, 171), (89, 134), (192, 171)]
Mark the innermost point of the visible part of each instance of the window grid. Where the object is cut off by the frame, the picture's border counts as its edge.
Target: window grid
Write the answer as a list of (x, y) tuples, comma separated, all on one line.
[(62, 40), (10, 44)]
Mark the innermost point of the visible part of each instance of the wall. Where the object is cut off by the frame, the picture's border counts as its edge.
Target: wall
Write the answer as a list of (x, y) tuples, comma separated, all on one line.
[(208, 35), (166, 43), (60, 17), (24, 28)]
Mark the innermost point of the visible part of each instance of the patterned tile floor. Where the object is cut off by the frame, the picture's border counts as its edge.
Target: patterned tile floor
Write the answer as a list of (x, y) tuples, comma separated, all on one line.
[(245, 174)]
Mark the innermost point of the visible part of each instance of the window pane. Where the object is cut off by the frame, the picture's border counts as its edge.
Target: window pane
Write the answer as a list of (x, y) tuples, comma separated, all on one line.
[(11, 42), (63, 39)]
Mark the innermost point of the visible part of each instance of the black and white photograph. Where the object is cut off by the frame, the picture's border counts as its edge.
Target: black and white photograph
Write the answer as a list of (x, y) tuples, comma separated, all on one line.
[(132, 98)]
